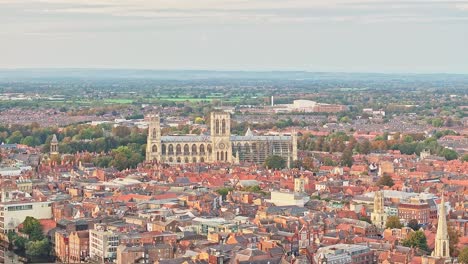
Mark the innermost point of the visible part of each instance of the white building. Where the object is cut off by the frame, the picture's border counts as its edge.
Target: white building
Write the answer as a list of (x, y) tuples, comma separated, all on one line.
[(281, 198), (12, 214), (103, 244)]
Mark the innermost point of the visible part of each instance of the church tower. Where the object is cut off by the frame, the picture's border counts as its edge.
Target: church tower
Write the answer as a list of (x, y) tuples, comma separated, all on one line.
[(300, 183), (220, 124), (54, 152), (378, 216), (153, 144), (441, 249)]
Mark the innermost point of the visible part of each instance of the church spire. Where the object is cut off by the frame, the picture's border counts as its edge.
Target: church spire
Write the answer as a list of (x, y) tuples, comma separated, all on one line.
[(441, 249)]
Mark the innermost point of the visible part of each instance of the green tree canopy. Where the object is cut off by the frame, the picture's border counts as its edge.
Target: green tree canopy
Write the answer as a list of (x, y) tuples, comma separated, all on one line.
[(393, 222), (275, 162), (124, 157), (465, 158), (449, 154), (38, 248), (463, 256), (33, 228), (416, 239), (224, 191), (454, 238), (385, 180), (347, 157)]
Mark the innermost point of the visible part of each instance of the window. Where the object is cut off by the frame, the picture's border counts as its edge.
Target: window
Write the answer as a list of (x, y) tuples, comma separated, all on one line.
[(223, 127), (20, 207)]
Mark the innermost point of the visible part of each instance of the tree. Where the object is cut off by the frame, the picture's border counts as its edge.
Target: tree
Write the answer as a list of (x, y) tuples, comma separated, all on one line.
[(38, 248), (365, 147), (465, 158), (449, 154), (275, 162), (463, 256), (30, 141), (121, 131), (454, 238), (347, 158), (416, 239), (413, 224), (365, 218), (328, 162), (385, 180), (20, 243), (437, 122), (124, 157), (308, 163), (224, 191), (199, 120), (393, 222), (15, 138), (33, 228)]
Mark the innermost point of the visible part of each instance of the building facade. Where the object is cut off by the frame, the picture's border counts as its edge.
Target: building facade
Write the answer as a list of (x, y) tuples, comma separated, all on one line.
[(378, 216), (103, 244), (219, 146), (147, 253), (414, 209), (13, 214)]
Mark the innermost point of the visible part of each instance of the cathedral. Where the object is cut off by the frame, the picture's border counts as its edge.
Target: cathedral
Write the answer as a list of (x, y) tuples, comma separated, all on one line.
[(219, 146)]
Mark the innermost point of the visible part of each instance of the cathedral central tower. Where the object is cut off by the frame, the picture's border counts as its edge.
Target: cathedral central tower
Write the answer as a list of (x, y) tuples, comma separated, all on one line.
[(220, 124)]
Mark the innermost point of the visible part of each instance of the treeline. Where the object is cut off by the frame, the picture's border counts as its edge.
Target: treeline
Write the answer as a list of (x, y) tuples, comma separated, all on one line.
[(120, 147), (408, 144)]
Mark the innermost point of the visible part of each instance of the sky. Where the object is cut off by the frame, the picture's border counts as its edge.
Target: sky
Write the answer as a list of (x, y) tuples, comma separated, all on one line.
[(390, 36)]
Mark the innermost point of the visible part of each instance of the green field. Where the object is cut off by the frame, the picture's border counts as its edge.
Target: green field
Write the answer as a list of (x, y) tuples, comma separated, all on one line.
[(118, 101)]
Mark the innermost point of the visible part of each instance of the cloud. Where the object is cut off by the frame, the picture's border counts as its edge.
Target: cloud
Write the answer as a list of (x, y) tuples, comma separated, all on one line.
[(463, 7), (250, 11)]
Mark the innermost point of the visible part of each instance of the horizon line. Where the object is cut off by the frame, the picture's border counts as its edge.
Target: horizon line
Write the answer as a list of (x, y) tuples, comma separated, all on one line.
[(228, 70)]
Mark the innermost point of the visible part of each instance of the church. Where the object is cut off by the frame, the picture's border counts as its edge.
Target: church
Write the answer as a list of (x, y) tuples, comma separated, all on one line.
[(219, 146)]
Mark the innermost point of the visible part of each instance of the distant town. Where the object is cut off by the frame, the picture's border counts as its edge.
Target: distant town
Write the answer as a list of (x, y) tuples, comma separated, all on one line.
[(233, 168)]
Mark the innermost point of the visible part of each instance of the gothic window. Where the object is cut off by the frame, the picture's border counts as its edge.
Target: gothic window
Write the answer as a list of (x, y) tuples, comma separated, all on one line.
[(178, 160), (186, 150), (222, 155), (154, 132), (225, 156), (202, 149), (178, 149), (217, 127), (186, 160), (247, 147), (155, 148), (194, 149), (444, 249), (163, 149), (171, 149), (223, 127), (202, 160), (194, 159), (209, 149), (171, 159)]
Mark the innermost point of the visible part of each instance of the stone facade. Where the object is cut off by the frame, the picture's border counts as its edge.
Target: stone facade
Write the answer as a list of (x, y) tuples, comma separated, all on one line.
[(219, 146), (378, 216)]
